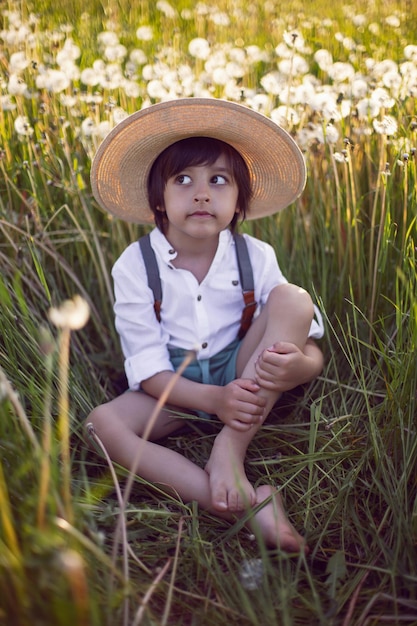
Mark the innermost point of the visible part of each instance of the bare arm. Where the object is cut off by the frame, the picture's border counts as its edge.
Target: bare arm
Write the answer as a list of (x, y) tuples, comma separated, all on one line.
[(237, 404), (284, 365)]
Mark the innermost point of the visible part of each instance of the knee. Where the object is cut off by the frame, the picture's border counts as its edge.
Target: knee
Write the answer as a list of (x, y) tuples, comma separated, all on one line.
[(95, 423), (292, 300)]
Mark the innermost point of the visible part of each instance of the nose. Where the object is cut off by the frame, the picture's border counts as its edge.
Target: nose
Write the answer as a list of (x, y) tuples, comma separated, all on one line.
[(202, 193)]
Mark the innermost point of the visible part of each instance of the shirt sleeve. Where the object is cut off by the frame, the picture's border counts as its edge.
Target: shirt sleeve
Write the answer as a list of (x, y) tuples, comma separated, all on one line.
[(268, 274), (143, 341)]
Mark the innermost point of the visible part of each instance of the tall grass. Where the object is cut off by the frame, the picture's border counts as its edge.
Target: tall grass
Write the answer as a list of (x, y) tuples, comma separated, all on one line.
[(343, 448)]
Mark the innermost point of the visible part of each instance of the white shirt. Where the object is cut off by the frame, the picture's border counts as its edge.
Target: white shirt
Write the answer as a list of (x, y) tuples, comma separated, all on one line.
[(204, 317)]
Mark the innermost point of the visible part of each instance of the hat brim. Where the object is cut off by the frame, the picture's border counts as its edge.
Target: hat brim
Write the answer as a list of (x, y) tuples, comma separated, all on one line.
[(121, 166)]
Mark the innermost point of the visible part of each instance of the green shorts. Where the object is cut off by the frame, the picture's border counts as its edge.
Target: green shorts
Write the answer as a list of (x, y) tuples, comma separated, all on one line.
[(218, 370)]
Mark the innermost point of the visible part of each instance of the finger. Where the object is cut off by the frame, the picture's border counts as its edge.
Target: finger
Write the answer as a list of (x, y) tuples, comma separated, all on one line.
[(283, 347), (240, 426), (247, 384)]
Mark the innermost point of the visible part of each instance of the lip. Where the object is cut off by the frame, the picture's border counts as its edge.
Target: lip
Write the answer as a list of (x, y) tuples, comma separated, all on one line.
[(201, 214)]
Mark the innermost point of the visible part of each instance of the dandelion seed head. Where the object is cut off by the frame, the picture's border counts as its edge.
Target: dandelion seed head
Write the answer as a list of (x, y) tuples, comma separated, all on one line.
[(393, 21), (285, 116), (259, 102), (293, 39), (144, 33), (17, 86), (156, 89), (131, 89), (199, 48), (359, 87), (6, 103), (72, 314), (115, 53), (410, 52), (18, 62), (349, 43), (367, 108), (340, 157), (87, 127), (107, 38), (90, 77), (22, 126), (324, 59), (340, 72), (282, 51), (359, 20), (255, 54), (70, 51), (220, 76), (382, 98), (52, 80), (68, 101), (138, 57), (387, 126), (296, 66), (374, 28), (166, 9), (220, 18), (273, 83)]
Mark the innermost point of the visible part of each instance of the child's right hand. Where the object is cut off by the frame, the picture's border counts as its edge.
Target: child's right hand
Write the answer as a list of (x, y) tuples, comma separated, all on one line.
[(239, 405)]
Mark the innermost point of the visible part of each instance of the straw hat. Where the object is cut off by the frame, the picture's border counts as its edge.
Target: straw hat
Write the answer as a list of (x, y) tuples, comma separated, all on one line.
[(123, 161)]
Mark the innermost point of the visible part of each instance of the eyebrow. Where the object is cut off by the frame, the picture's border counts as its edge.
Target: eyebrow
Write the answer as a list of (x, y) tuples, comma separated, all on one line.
[(227, 170)]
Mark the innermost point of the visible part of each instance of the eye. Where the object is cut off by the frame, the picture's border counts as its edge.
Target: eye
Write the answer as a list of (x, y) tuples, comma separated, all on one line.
[(183, 179), (217, 179)]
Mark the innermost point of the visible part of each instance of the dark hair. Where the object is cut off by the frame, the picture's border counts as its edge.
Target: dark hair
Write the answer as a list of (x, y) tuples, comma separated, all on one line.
[(191, 152)]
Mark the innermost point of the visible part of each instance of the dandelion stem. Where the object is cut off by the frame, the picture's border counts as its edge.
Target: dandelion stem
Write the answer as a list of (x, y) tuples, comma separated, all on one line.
[(20, 412), (64, 421)]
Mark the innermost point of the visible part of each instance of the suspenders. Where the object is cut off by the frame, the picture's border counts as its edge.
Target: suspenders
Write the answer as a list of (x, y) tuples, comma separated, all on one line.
[(245, 273)]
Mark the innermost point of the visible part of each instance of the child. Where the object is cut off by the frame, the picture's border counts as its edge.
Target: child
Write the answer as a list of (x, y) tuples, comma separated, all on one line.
[(196, 168)]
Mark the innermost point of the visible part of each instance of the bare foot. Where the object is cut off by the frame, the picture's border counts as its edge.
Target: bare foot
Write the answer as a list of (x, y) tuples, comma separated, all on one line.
[(272, 522), (230, 488)]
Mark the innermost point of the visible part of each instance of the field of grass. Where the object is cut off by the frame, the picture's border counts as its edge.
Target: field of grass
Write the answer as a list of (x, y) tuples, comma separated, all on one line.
[(342, 78)]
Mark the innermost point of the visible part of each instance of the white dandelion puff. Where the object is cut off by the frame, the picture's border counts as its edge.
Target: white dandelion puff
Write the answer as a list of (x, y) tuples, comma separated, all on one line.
[(324, 59), (144, 33), (107, 38), (52, 80), (18, 62), (90, 77), (138, 57), (22, 126), (387, 126), (16, 86), (72, 314), (199, 48), (166, 9)]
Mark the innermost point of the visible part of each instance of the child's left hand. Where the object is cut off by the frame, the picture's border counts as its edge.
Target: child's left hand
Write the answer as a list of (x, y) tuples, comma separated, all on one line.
[(283, 366)]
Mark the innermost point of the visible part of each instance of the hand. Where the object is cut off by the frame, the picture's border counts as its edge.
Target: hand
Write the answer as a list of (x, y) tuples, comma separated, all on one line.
[(283, 366), (239, 405)]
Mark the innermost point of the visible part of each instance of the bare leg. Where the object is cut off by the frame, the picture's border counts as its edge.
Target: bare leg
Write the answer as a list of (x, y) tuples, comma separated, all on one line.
[(271, 521), (286, 317), (120, 424)]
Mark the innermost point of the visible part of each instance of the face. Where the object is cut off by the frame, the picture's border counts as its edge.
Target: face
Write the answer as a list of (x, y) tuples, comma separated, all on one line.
[(200, 201)]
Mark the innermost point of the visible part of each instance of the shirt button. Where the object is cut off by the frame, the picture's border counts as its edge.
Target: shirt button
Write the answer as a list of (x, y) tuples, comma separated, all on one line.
[(171, 251), (204, 345), (199, 298)]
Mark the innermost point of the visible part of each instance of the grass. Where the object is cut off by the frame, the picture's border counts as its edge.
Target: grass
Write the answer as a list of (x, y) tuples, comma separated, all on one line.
[(343, 448)]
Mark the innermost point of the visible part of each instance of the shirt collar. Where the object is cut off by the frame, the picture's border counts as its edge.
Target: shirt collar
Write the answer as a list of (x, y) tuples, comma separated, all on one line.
[(165, 251)]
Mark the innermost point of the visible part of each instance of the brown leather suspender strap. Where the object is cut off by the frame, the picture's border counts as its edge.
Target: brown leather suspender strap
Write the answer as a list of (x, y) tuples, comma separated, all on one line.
[(245, 274), (248, 287)]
